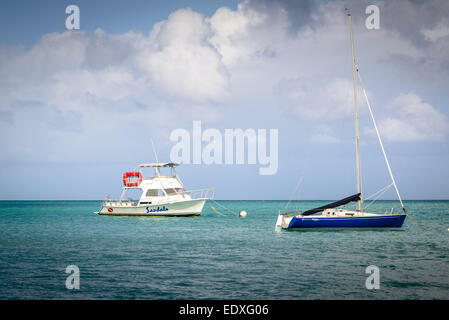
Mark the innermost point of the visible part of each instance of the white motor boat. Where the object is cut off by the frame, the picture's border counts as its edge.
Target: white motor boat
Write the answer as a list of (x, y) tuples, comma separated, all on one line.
[(162, 195)]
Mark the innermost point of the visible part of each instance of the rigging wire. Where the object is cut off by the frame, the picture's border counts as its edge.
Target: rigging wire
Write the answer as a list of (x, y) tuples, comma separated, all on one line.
[(380, 193), (294, 191), (374, 194), (380, 140)]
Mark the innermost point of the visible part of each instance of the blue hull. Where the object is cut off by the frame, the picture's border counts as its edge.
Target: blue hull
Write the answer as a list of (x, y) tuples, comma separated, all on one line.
[(381, 221)]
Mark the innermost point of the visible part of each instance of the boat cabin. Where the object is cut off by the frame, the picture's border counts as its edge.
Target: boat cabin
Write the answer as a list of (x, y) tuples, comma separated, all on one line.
[(155, 189)]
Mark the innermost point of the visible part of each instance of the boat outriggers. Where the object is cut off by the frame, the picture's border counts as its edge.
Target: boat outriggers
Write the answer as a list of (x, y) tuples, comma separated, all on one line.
[(333, 218), (162, 195)]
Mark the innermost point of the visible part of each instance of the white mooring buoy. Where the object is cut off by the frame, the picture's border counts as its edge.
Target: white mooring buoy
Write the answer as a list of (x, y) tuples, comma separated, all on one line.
[(242, 214)]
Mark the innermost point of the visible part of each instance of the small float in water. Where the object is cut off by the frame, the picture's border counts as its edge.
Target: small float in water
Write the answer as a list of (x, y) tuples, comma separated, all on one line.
[(162, 195)]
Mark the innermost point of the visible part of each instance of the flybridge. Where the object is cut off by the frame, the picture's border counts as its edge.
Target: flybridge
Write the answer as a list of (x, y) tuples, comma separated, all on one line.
[(158, 165)]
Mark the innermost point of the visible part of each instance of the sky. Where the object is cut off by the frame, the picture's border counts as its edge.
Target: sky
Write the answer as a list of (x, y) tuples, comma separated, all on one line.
[(80, 107)]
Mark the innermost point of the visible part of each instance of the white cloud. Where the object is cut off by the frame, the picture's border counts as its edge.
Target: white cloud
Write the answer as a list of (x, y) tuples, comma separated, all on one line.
[(318, 101), (413, 120), (441, 30), (182, 62), (175, 62), (75, 90), (325, 138), (247, 34)]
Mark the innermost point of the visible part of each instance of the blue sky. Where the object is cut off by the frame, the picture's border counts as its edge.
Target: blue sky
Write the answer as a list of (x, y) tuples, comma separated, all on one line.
[(78, 108), (24, 22)]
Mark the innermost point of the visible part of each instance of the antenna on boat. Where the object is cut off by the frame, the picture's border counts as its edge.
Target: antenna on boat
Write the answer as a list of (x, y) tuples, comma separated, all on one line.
[(154, 151), (356, 114)]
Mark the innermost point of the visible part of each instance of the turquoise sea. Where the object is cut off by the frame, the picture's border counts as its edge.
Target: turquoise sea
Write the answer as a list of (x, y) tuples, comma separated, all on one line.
[(216, 256)]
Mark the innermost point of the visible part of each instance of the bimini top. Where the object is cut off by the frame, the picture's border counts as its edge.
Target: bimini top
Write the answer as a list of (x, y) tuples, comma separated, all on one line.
[(159, 165)]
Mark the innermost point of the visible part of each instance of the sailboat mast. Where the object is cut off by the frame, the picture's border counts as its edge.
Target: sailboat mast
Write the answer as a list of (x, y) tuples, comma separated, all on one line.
[(356, 113)]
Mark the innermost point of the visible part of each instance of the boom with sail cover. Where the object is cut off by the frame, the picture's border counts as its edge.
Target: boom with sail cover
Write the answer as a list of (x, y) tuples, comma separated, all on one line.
[(355, 197)]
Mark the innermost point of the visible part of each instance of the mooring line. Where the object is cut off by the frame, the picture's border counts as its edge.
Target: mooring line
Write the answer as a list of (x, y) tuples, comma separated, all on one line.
[(213, 208)]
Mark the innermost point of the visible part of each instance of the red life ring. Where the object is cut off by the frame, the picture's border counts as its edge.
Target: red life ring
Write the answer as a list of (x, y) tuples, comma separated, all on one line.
[(110, 210), (132, 174)]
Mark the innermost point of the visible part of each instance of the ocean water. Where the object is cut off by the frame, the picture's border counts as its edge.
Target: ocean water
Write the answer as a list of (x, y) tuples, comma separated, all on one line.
[(216, 256)]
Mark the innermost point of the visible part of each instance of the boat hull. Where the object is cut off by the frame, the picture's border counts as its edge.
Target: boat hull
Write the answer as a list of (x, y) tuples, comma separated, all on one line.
[(175, 209), (393, 221)]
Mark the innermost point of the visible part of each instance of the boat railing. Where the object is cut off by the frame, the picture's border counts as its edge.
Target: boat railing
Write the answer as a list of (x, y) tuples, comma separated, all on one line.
[(200, 193), (108, 202), (192, 194), (287, 212)]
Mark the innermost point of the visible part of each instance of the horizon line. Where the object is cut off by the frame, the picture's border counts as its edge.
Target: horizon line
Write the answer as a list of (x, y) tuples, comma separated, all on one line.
[(228, 200)]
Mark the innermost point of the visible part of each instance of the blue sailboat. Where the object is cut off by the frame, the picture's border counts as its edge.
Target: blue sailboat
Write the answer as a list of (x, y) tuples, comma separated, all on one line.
[(334, 218), (331, 216)]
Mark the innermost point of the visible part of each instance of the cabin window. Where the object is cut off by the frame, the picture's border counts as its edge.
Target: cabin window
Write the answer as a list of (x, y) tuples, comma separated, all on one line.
[(152, 193), (170, 191)]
